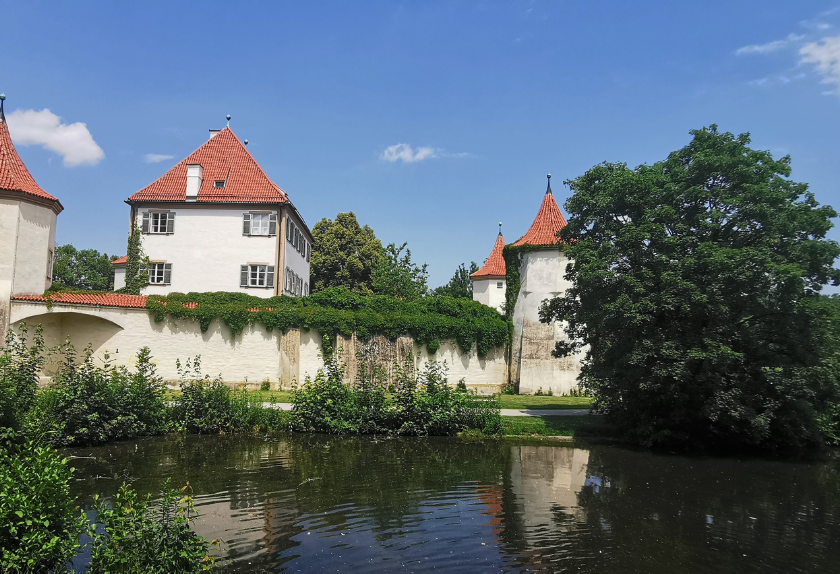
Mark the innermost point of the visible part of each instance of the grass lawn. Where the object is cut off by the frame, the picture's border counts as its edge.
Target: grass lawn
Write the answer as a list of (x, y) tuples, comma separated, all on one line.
[(532, 402), (575, 427), (264, 396)]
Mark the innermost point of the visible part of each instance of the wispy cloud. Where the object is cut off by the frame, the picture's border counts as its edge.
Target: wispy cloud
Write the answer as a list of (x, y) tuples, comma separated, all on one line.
[(72, 141), (769, 46), (825, 56), (156, 157), (405, 153)]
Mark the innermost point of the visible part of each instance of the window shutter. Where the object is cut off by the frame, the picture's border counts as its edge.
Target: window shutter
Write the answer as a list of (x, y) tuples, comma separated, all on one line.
[(269, 276), (272, 224), (246, 224), (144, 226), (170, 222), (167, 273), (243, 276), (308, 251)]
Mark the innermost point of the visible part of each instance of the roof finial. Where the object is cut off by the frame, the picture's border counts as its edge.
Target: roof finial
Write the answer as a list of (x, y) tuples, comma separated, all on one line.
[(246, 142), (228, 119), (2, 114), (547, 191), (500, 228)]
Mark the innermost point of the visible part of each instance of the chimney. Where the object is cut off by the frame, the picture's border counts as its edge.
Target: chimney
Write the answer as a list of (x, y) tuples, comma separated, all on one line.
[(194, 173), (213, 133)]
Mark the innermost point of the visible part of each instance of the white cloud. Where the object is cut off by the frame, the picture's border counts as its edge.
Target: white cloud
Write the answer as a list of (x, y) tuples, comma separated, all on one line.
[(156, 157), (825, 55), (405, 153), (72, 141), (768, 47)]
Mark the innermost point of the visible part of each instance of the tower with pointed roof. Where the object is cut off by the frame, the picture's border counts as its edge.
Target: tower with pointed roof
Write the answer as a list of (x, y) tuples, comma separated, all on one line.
[(542, 268), (27, 228), (489, 282), (216, 222)]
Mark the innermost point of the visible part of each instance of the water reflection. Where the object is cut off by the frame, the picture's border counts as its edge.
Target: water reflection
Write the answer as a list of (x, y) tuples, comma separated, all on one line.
[(316, 503)]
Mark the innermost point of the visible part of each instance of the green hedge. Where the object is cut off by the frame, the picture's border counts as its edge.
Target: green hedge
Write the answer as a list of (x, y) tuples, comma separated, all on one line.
[(337, 311)]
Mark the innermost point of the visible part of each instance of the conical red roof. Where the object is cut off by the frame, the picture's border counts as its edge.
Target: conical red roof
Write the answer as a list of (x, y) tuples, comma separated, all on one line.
[(223, 158), (13, 174), (548, 222), (495, 264)]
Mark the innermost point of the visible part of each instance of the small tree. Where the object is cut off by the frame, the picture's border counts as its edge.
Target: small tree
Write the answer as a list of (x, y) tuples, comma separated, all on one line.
[(344, 254), (397, 276), (137, 264), (460, 286), (82, 269), (695, 294)]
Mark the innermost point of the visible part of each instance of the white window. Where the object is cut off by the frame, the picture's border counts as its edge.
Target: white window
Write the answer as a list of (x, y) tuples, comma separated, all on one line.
[(259, 224), (158, 222), (257, 276), (160, 273)]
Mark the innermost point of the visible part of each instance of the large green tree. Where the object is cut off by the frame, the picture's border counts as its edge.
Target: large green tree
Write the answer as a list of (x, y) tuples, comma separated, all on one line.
[(396, 275), (695, 295), (344, 254), (83, 269), (460, 286)]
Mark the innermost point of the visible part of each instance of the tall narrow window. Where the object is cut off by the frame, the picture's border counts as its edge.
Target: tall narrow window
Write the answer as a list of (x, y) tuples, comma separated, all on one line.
[(49, 264)]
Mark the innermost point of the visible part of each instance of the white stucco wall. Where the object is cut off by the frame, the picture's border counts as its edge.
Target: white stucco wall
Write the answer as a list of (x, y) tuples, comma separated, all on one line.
[(532, 366), (488, 292), (296, 261), (251, 357), (207, 249), (9, 214), (35, 239), (119, 277)]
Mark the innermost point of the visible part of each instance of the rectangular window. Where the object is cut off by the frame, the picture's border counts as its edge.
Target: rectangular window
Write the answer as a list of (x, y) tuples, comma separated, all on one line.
[(219, 184), (259, 224), (257, 276), (160, 273), (264, 224), (158, 222), (49, 264), (500, 284)]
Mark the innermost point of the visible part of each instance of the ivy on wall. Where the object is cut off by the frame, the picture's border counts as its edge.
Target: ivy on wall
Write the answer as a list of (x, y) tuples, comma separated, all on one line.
[(513, 259), (337, 310)]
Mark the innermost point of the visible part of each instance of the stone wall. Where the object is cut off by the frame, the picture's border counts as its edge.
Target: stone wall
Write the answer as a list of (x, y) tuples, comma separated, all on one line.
[(250, 357)]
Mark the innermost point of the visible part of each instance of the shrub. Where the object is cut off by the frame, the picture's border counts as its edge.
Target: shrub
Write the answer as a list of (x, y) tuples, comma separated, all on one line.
[(265, 385), (90, 404), (20, 364), (139, 537), (39, 521)]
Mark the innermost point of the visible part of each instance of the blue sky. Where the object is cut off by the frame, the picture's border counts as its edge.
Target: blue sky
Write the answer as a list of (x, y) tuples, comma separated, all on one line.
[(487, 96)]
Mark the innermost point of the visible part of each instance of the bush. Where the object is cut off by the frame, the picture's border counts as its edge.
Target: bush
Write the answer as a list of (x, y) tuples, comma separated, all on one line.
[(39, 521), (422, 404), (139, 537), (210, 406), (20, 364), (91, 405)]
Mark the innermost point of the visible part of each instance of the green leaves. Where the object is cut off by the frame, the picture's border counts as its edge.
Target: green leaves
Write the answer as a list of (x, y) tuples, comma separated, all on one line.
[(693, 283), (344, 254), (83, 269)]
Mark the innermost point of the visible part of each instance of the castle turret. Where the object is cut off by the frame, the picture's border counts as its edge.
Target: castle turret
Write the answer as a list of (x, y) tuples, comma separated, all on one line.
[(542, 267), (489, 282), (27, 228)]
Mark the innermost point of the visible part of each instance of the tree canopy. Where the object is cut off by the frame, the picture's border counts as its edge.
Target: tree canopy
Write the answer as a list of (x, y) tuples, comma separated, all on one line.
[(344, 254), (695, 296), (397, 276), (82, 269), (460, 286)]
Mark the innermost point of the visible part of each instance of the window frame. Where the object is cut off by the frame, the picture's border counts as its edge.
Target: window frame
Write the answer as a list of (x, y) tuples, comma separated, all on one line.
[(160, 269)]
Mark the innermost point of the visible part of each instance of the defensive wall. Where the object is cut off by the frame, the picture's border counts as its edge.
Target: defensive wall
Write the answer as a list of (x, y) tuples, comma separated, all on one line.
[(119, 332)]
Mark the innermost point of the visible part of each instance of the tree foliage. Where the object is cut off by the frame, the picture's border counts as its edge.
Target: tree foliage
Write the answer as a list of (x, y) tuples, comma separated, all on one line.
[(695, 295), (397, 276), (344, 254), (136, 265), (460, 286), (83, 269)]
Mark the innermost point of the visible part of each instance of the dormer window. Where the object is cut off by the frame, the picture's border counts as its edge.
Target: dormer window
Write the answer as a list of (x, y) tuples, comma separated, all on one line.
[(219, 184)]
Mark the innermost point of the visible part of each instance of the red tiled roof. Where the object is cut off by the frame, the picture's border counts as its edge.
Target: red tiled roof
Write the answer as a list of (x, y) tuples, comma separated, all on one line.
[(99, 299), (13, 174), (222, 157), (495, 264), (548, 222), (121, 261)]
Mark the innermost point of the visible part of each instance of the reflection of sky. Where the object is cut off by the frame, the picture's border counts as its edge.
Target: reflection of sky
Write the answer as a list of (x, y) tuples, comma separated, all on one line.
[(450, 531), (595, 482)]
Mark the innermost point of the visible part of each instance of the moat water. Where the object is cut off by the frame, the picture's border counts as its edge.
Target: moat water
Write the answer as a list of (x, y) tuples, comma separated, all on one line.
[(316, 503)]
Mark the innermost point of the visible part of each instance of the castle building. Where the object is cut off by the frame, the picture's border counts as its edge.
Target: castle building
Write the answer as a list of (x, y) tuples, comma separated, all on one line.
[(216, 222), (489, 282), (542, 266), (27, 227)]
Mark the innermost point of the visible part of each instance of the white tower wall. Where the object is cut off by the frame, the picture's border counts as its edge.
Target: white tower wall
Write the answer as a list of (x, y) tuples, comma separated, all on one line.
[(490, 291)]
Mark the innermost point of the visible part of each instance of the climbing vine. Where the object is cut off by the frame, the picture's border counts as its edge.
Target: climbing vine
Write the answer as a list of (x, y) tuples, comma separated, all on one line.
[(337, 310)]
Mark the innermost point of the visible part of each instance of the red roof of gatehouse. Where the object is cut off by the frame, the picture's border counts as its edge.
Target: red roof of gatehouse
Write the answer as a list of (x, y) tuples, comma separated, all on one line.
[(548, 222), (97, 299), (495, 264)]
